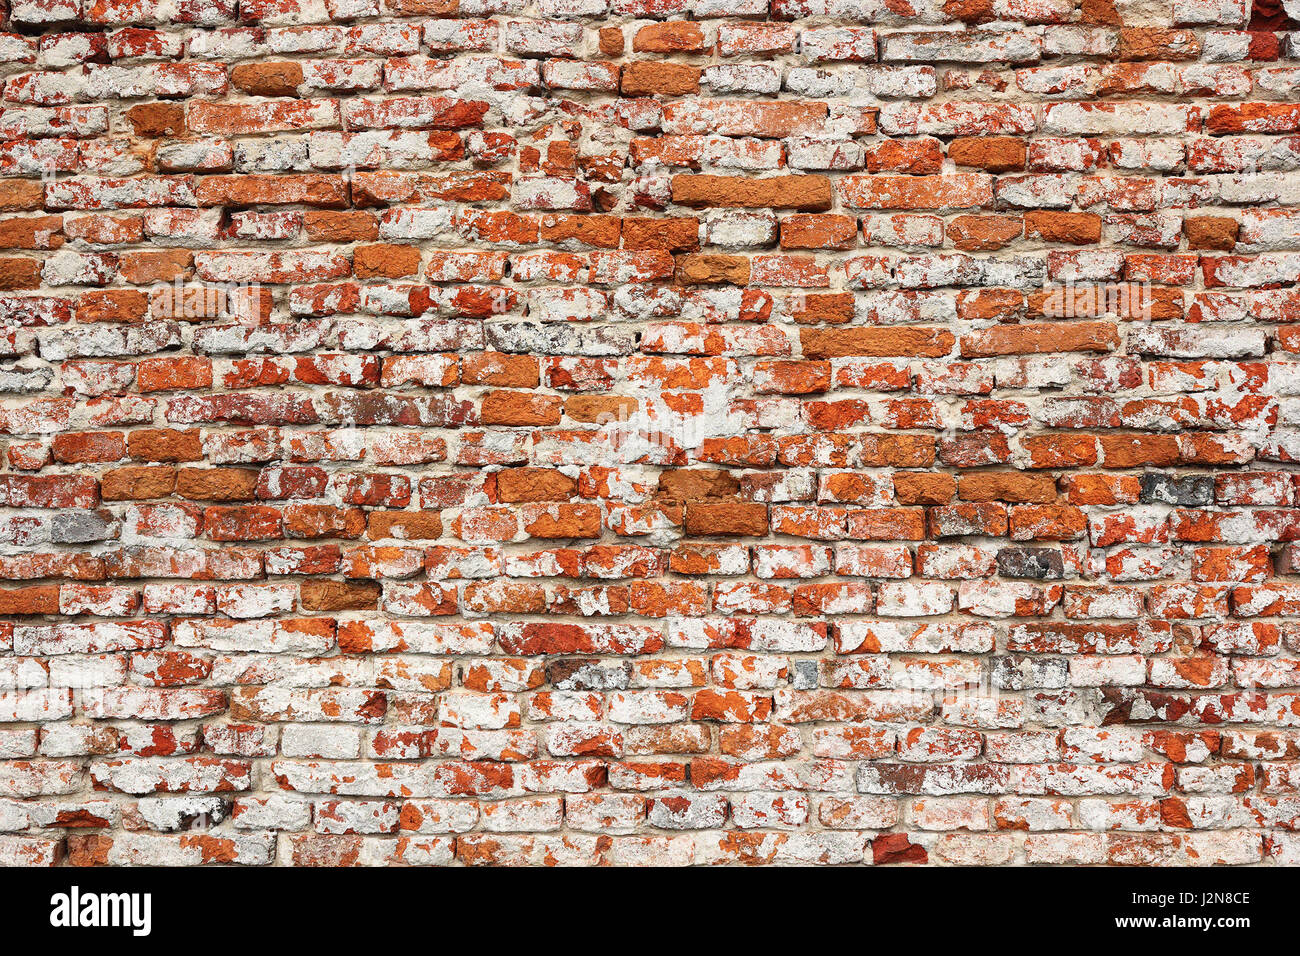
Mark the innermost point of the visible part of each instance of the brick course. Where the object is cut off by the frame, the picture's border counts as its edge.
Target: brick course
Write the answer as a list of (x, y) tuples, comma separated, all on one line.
[(649, 432)]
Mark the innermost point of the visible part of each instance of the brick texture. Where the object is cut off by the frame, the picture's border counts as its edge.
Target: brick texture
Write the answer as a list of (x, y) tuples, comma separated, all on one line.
[(649, 432)]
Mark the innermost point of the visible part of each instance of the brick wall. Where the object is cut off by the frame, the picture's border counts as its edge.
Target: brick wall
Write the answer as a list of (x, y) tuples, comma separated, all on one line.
[(649, 431)]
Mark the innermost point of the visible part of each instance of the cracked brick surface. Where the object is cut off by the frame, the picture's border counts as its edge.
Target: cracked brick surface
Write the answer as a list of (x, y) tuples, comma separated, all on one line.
[(540, 432)]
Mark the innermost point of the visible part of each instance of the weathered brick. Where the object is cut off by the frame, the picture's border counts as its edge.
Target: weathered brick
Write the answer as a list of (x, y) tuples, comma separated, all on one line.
[(649, 432)]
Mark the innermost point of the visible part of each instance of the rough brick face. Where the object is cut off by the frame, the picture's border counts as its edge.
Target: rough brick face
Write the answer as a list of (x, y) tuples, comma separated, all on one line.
[(727, 431)]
